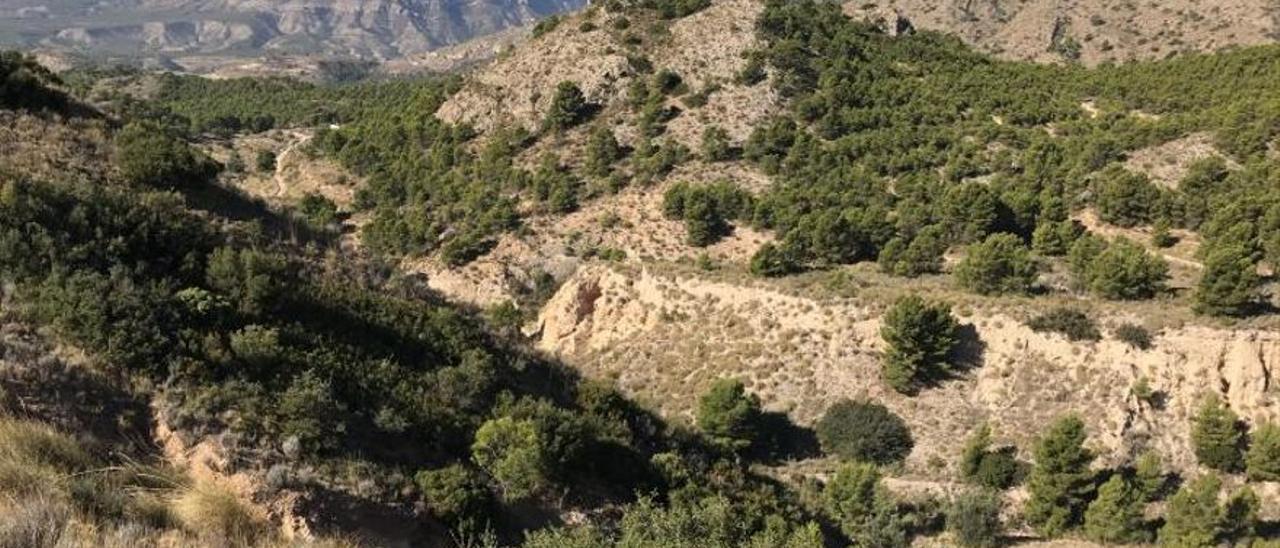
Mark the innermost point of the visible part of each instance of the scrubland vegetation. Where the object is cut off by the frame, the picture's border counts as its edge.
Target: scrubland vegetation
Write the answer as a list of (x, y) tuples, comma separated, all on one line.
[(890, 149)]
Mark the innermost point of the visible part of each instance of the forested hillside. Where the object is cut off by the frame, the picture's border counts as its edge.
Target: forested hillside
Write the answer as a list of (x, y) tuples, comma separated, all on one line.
[(808, 283)]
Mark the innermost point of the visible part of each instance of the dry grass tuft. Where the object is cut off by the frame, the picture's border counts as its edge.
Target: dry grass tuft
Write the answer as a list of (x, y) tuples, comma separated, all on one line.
[(212, 511)]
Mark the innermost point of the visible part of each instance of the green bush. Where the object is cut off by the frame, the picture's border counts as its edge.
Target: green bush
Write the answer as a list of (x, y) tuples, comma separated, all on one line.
[(981, 465), (265, 161), (773, 261), (453, 492), (547, 25), (1000, 264), (864, 432), (1134, 335), (603, 151), (310, 412), (974, 519), (149, 157), (1074, 324), (920, 336), (705, 209), (513, 452)]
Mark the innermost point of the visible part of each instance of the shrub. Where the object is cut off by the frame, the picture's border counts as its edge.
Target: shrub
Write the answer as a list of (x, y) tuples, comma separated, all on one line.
[(729, 414), (993, 469), (1000, 264), (1216, 436), (34, 444), (865, 432), (512, 451), (974, 519), (1160, 236), (265, 161), (1060, 484), (310, 413), (1069, 322), (318, 210), (772, 261), (547, 25), (148, 156), (705, 209), (1263, 459), (1133, 335), (1080, 258), (1142, 390), (920, 336), (464, 248), (453, 492)]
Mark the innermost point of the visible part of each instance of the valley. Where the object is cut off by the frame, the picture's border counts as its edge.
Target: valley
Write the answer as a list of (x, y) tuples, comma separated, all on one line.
[(676, 273)]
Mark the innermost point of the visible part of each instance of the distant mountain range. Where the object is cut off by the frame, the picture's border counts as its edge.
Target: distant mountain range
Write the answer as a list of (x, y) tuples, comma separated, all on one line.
[(370, 29)]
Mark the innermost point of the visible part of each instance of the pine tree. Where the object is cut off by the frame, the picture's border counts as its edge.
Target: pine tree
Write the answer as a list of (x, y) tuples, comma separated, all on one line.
[(1194, 518), (568, 107), (1126, 271), (603, 151), (729, 414), (1263, 460), (920, 335), (1000, 264), (715, 145), (1060, 484), (1115, 517), (1216, 435), (1227, 286), (974, 449), (1149, 476), (1240, 516)]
